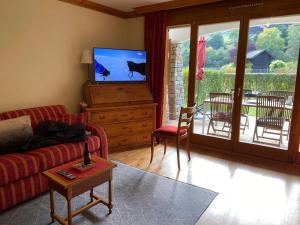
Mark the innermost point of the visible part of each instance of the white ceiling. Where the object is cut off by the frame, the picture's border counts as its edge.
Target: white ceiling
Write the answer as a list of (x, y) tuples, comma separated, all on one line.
[(127, 5)]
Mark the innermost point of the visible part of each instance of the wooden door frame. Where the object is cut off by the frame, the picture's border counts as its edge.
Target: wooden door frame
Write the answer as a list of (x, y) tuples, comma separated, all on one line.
[(268, 151), (200, 138), (234, 145), (287, 8), (294, 148)]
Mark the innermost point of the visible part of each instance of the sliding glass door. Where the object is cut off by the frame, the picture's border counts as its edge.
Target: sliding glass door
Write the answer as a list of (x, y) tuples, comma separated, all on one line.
[(241, 72), (215, 76), (269, 86)]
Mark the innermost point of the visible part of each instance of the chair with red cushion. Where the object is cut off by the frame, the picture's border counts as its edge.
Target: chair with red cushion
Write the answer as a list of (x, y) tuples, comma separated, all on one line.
[(178, 133)]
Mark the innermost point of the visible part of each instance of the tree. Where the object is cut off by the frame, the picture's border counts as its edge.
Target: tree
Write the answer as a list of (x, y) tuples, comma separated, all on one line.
[(216, 58), (185, 48), (293, 42), (271, 40), (216, 40), (277, 66)]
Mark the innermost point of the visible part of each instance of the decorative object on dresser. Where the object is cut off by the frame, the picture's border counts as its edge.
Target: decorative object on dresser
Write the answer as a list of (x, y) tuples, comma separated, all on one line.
[(86, 58), (125, 110)]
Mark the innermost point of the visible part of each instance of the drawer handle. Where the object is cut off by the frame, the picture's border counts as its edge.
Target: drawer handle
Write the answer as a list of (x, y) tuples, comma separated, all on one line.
[(145, 125), (124, 140), (124, 128), (124, 115), (101, 117), (145, 137), (145, 113)]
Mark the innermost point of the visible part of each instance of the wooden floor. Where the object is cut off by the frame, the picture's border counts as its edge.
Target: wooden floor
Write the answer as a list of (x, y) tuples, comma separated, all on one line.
[(248, 195)]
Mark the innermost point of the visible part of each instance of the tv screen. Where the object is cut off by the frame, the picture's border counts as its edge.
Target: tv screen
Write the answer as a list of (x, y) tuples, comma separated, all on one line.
[(116, 65)]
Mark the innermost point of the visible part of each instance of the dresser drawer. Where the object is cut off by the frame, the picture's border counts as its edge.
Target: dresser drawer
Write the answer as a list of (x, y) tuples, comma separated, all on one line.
[(128, 128), (128, 140), (121, 115)]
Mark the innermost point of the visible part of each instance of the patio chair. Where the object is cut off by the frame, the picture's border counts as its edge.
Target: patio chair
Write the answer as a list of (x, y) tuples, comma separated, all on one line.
[(182, 131), (269, 116), (245, 110), (287, 112), (220, 111)]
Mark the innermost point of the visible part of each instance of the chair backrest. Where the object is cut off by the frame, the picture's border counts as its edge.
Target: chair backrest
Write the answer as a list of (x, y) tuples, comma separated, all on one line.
[(185, 118), (284, 94), (221, 104), (270, 110)]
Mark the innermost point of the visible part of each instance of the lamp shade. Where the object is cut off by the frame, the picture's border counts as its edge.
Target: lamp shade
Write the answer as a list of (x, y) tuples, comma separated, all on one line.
[(86, 57)]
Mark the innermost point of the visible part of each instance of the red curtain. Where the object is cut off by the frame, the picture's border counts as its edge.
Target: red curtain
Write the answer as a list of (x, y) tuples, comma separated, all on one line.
[(155, 43)]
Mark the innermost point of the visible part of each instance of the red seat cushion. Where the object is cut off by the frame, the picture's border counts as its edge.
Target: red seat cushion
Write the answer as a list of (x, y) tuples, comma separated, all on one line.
[(169, 130), (17, 166), (56, 155)]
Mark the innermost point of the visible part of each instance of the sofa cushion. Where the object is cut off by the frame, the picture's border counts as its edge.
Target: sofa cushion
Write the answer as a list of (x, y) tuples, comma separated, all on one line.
[(54, 112), (56, 155), (75, 118), (1, 116), (17, 166), (14, 133)]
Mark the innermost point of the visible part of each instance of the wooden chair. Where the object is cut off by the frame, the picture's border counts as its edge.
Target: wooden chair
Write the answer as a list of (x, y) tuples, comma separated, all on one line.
[(176, 133), (287, 113), (245, 110), (269, 115), (220, 111)]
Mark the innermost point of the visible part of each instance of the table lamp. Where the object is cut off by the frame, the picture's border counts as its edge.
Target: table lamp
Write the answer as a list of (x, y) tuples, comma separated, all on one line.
[(86, 58)]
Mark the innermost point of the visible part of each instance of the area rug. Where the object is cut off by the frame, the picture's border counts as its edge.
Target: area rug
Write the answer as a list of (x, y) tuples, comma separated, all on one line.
[(139, 198)]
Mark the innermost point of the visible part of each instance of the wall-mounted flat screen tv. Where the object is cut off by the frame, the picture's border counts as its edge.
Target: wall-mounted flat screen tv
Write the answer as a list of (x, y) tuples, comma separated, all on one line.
[(119, 65)]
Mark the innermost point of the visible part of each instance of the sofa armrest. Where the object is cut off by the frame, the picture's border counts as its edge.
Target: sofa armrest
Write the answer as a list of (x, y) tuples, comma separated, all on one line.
[(99, 131)]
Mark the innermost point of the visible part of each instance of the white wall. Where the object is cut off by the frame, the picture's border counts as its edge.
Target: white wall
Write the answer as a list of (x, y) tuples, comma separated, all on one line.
[(41, 42)]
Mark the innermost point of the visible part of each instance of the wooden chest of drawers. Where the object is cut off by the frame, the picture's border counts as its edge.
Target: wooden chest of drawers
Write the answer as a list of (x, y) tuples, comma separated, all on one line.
[(126, 126)]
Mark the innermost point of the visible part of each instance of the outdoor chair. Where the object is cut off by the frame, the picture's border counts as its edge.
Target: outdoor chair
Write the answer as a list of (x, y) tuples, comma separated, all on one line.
[(220, 111), (287, 112), (269, 116), (179, 133), (245, 110)]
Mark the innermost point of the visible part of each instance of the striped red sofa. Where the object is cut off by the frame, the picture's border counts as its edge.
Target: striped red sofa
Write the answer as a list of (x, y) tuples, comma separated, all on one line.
[(21, 173)]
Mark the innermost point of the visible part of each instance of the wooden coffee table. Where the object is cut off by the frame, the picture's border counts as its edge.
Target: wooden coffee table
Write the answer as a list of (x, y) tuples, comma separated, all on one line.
[(85, 181)]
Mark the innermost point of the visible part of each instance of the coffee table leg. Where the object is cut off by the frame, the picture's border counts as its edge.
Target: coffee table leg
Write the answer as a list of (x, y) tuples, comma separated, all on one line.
[(110, 196), (69, 211), (91, 195), (52, 206)]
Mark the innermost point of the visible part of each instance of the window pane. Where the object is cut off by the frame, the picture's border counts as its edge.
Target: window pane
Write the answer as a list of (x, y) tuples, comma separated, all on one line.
[(215, 78), (269, 84)]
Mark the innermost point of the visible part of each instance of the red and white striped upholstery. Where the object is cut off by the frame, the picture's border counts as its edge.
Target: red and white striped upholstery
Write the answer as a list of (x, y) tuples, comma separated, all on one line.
[(52, 156), (75, 118), (54, 112), (21, 174), (22, 190), (17, 166)]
